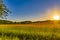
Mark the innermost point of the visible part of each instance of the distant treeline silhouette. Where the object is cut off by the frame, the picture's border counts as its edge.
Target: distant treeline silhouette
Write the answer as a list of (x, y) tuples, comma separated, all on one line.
[(11, 22), (27, 22)]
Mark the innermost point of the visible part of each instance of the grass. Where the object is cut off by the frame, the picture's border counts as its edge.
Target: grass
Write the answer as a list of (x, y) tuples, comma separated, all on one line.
[(29, 33)]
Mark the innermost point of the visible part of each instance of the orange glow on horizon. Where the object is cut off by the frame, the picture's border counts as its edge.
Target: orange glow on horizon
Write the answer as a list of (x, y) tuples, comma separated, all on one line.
[(53, 13)]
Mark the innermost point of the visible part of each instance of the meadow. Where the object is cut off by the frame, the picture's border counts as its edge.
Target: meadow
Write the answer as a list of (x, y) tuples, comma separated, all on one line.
[(29, 32)]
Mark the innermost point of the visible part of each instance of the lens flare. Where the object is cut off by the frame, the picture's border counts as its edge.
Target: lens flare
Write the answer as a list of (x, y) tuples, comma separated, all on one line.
[(56, 17)]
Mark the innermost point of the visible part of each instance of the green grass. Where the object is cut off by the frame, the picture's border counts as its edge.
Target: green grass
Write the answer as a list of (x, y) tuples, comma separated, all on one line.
[(29, 33)]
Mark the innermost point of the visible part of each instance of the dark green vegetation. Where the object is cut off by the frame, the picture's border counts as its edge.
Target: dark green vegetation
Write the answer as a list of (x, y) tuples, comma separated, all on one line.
[(29, 33), (6, 22), (30, 22)]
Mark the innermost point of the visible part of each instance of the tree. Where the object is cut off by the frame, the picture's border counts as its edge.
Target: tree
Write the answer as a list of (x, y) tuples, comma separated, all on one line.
[(3, 10)]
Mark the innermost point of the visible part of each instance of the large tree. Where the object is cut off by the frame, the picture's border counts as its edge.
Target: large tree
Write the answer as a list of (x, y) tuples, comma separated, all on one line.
[(3, 10)]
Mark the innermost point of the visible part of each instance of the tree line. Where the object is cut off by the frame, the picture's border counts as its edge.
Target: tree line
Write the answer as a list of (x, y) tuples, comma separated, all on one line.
[(27, 22)]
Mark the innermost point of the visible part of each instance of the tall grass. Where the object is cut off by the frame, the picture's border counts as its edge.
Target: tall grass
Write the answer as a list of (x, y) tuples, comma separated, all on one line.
[(29, 33)]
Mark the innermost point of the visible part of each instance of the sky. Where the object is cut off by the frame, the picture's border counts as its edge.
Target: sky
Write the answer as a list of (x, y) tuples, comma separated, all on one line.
[(31, 10)]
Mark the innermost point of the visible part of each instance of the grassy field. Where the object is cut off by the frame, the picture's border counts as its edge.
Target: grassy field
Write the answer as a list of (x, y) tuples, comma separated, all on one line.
[(29, 32)]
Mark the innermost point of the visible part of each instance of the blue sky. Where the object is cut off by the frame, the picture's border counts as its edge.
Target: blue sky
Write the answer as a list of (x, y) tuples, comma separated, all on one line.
[(33, 10)]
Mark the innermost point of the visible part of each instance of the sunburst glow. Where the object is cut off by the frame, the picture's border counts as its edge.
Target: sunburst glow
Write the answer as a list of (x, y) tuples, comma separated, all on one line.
[(56, 17)]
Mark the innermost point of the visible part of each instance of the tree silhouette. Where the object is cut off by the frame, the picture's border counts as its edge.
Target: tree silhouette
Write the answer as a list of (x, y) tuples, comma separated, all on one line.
[(3, 10)]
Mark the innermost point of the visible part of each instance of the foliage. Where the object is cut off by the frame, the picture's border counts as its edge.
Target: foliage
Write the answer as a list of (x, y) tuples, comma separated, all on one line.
[(30, 34), (3, 10)]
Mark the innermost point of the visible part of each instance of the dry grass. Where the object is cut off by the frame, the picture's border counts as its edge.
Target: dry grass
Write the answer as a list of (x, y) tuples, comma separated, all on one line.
[(30, 31), (31, 25)]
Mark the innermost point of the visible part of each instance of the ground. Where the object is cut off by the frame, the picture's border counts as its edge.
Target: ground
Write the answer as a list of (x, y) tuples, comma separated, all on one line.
[(29, 32)]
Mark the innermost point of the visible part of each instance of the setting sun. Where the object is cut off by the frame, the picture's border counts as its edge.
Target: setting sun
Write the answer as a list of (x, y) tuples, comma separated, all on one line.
[(56, 17)]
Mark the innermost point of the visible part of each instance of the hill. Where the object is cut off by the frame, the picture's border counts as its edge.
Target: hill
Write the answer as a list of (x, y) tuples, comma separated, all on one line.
[(30, 22), (5, 22)]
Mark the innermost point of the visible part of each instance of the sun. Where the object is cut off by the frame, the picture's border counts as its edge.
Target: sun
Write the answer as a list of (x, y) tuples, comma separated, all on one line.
[(56, 17)]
